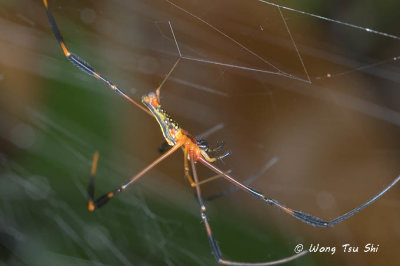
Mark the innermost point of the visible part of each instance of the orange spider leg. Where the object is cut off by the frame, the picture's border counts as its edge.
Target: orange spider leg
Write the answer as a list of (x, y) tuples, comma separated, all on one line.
[(214, 177), (95, 204), (186, 167)]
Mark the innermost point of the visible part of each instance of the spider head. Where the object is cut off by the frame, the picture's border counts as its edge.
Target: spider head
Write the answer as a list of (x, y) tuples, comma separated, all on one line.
[(151, 101), (203, 144)]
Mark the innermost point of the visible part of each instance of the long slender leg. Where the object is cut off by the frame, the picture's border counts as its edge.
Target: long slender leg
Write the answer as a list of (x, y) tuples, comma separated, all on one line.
[(165, 79), (186, 168), (95, 204), (246, 182), (212, 178), (172, 69), (304, 217), (214, 245), (84, 66)]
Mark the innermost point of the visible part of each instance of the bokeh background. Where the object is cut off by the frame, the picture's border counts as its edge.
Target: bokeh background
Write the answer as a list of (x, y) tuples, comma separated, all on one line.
[(322, 138)]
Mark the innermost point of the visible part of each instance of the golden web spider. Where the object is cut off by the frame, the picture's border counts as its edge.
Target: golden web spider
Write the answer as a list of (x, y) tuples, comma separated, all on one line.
[(194, 150)]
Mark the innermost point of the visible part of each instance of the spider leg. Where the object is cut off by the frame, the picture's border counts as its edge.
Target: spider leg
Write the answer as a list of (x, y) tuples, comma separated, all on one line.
[(212, 178), (246, 182), (172, 69), (214, 245), (165, 79), (95, 204), (82, 65), (186, 167), (304, 217), (226, 154)]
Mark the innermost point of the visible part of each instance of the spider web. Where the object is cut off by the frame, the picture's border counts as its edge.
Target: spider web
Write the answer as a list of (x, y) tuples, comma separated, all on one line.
[(305, 96)]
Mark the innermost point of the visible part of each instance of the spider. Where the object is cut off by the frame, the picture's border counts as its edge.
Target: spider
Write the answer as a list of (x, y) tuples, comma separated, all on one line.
[(194, 150)]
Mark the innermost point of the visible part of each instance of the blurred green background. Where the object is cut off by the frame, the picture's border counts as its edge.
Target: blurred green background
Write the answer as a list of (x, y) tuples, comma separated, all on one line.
[(332, 143)]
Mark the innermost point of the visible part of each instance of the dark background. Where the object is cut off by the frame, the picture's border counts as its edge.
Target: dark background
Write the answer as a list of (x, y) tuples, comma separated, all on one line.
[(333, 141)]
